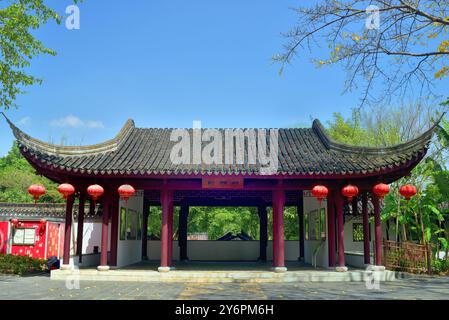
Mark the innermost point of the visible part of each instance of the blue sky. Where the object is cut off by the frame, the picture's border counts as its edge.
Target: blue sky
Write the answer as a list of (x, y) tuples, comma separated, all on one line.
[(167, 63)]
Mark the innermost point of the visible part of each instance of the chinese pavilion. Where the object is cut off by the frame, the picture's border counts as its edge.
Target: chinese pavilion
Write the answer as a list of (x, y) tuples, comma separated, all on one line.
[(141, 157)]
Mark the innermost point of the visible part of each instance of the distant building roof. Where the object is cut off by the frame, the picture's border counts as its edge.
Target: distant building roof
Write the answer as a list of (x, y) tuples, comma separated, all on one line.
[(52, 211)]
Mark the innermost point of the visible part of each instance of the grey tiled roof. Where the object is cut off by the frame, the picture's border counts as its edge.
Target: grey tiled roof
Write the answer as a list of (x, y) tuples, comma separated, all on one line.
[(146, 152)]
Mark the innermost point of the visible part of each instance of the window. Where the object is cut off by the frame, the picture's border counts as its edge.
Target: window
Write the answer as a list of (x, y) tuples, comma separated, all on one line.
[(357, 232), (316, 225), (122, 223), (306, 226), (24, 236), (131, 225)]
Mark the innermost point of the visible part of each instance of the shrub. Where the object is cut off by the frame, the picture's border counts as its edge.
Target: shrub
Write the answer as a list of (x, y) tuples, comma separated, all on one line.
[(14, 264), (440, 266)]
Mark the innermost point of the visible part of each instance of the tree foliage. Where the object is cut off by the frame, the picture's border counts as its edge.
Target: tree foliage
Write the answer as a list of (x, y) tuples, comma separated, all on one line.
[(16, 175), (18, 45), (425, 218), (397, 45)]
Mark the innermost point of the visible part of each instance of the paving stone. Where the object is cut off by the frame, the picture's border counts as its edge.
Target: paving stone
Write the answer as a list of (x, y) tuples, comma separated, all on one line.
[(42, 288)]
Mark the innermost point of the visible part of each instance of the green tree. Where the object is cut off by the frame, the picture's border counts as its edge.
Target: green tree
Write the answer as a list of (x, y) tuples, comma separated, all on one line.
[(387, 47), (424, 218), (16, 175), (18, 45)]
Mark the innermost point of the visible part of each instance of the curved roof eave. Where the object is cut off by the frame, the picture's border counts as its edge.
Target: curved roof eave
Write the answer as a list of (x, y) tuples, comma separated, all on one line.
[(59, 150)]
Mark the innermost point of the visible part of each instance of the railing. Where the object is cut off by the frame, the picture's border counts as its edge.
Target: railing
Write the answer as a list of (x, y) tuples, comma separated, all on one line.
[(406, 256)]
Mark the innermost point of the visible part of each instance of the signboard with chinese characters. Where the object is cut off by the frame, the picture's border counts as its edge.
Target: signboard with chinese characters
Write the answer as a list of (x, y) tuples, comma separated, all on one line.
[(222, 183)]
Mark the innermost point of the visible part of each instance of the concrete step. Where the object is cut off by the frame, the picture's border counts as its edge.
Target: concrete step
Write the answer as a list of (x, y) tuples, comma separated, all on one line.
[(223, 276)]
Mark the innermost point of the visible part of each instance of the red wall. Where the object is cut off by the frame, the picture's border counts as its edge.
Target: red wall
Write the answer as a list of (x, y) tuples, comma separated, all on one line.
[(3, 236), (53, 236), (48, 243), (38, 249)]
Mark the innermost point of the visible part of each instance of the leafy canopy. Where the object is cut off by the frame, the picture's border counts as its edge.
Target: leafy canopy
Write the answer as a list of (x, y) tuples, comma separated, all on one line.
[(18, 45)]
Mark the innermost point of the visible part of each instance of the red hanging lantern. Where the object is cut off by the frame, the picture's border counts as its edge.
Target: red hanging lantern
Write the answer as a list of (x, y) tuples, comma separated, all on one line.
[(14, 222), (36, 190), (95, 191), (350, 191), (126, 191), (381, 190), (320, 192), (408, 191), (66, 190)]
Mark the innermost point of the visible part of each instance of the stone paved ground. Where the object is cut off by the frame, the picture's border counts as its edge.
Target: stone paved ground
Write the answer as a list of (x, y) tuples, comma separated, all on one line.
[(41, 287)]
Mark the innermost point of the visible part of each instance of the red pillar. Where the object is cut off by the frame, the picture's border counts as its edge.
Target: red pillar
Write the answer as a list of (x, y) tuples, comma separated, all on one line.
[(67, 231), (341, 233), (170, 233), (165, 203), (278, 231), (366, 232), (79, 235), (331, 228), (114, 229), (378, 231), (104, 232)]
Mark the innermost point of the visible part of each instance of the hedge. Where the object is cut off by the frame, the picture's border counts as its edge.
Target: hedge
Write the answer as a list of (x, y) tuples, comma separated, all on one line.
[(14, 264)]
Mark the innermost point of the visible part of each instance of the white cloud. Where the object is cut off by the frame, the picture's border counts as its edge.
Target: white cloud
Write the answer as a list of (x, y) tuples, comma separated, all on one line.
[(75, 122), (24, 121), (94, 124)]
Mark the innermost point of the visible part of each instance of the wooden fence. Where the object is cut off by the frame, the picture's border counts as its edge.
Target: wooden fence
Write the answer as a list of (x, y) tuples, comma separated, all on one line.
[(406, 256)]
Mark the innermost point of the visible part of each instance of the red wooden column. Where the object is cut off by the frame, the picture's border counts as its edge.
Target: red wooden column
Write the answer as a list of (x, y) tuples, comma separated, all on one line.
[(146, 213), (165, 203), (331, 228), (377, 231), (107, 201), (67, 232), (366, 231), (341, 233), (114, 228), (278, 231), (170, 231), (79, 234)]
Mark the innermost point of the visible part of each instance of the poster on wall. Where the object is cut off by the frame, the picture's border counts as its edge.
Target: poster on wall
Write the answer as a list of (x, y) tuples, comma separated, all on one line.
[(24, 236), (131, 225), (122, 223)]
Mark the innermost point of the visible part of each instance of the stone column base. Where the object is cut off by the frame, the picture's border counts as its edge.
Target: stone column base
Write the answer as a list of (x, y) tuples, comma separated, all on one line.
[(279, 269), (341, 269), (103, 268), (65, 267), (163, 269)]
